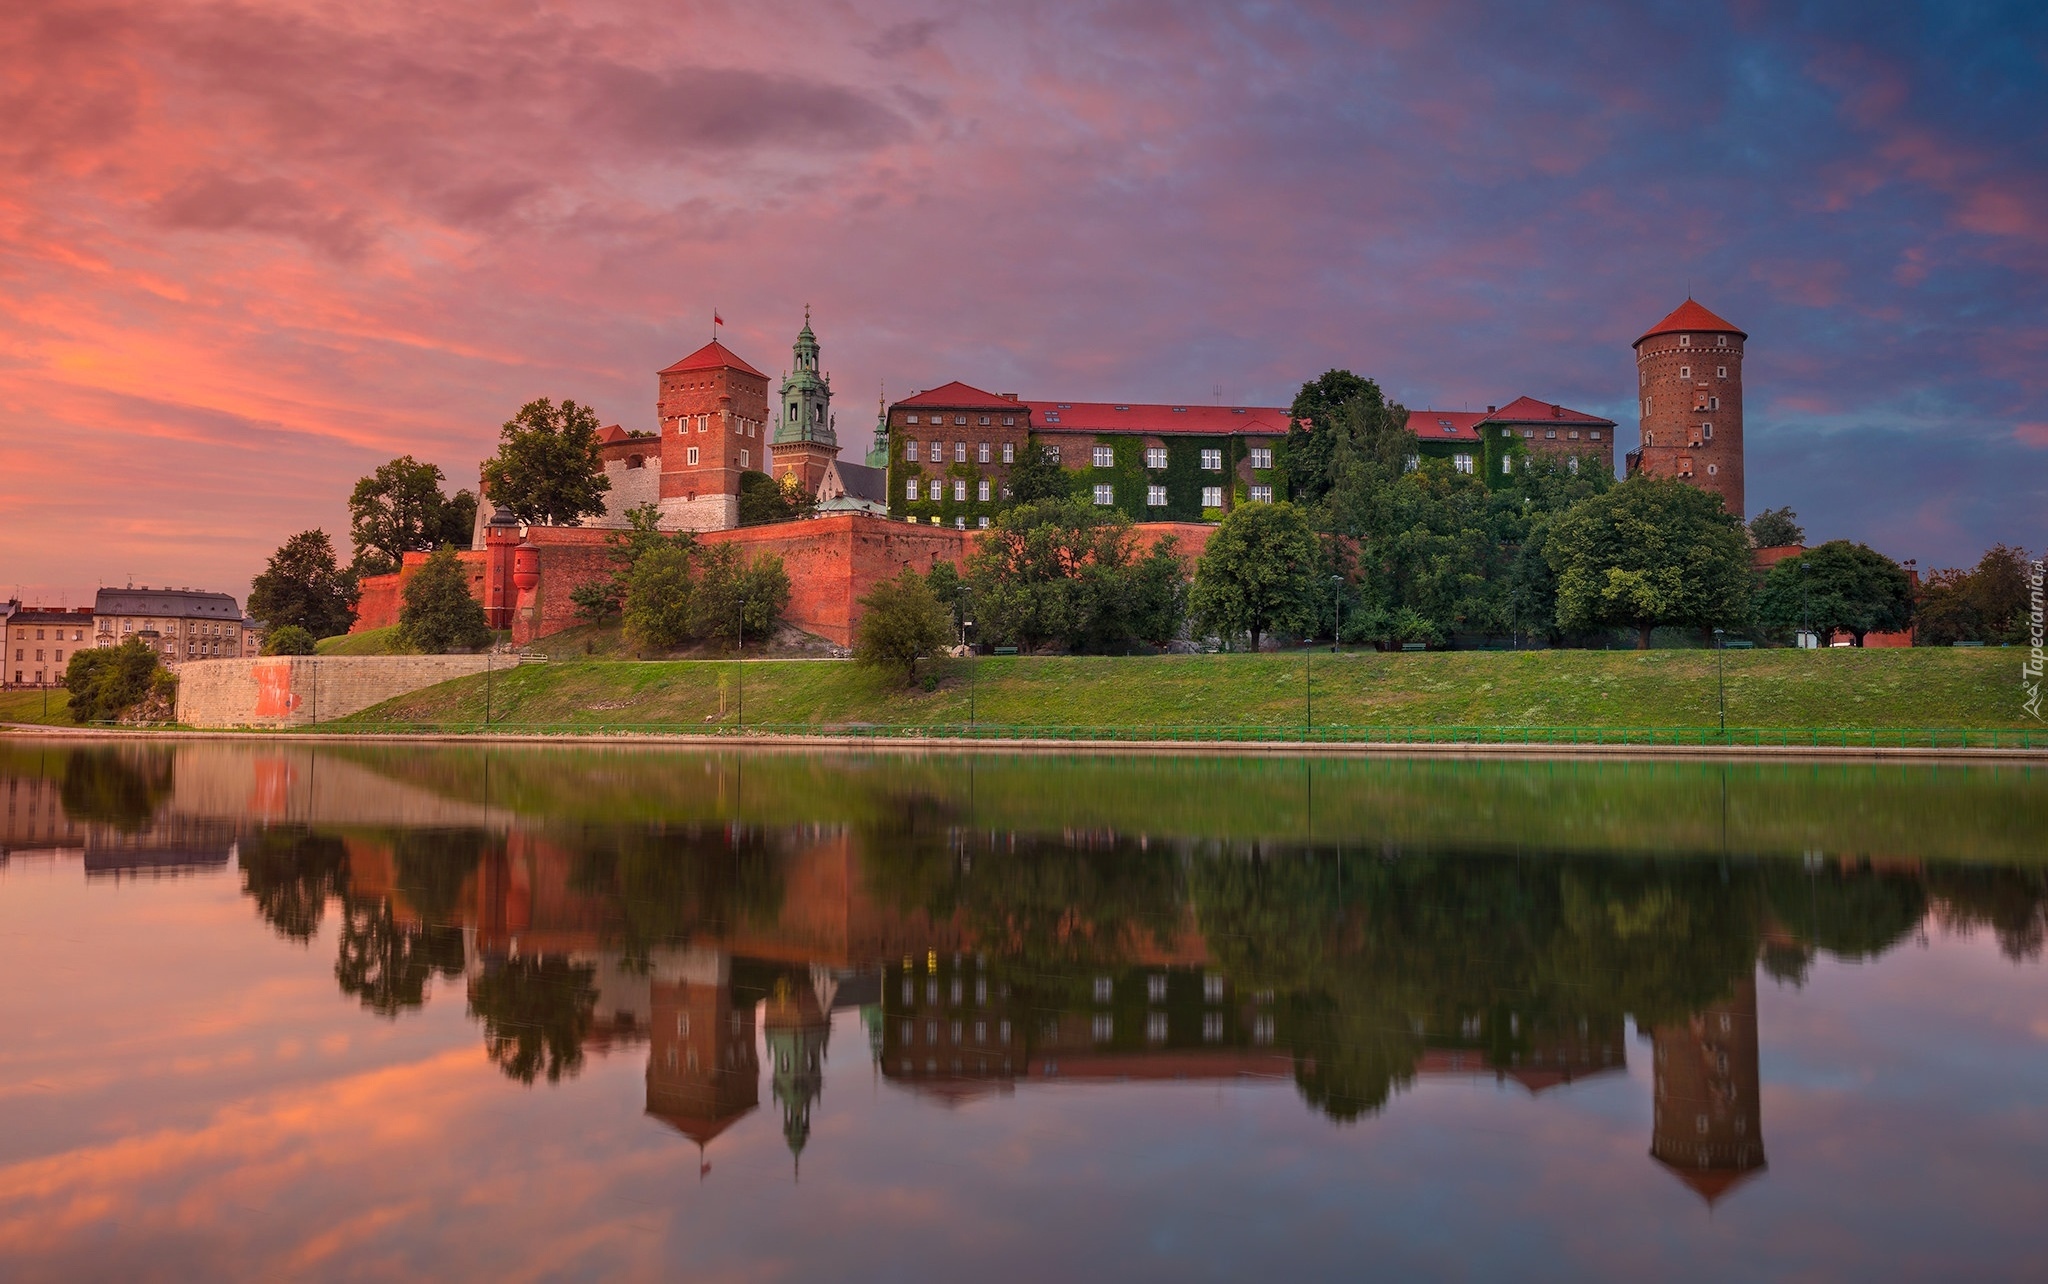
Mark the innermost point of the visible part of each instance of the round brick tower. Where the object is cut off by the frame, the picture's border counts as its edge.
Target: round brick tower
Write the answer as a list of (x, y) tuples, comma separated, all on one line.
[(1689, 390)]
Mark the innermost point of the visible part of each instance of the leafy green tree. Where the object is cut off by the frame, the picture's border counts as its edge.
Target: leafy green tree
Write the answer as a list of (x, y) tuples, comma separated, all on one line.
[(440, 615), (600, 599), (1345, 415), (106, 683), (1986, 604), (1257, 574), (1838, 585), (303, 585), (732, 590), (657, 606), (548, 469), (900, 621), (1064, 571), (764, 499), (399, 509), (1650, 551), (1036, 477), (289, 640), (1776, 528), (1154, 592)]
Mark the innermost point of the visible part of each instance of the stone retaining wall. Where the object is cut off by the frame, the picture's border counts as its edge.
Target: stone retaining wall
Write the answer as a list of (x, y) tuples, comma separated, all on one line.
[(302, 690)]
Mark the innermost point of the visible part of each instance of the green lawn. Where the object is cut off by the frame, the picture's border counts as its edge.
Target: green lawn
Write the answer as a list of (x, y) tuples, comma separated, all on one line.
[(382, 641), (29, 706), (1838, 687)]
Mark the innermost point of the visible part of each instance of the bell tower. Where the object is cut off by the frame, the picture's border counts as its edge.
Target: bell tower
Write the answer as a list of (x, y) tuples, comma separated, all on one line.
[(805, 443)]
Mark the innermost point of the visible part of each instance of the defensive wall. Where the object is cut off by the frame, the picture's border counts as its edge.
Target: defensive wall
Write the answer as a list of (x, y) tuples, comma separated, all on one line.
[(832, 563), (301, 690)]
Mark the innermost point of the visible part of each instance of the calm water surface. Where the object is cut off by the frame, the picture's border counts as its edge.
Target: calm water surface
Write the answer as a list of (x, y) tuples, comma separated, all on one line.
[(561, 1014)]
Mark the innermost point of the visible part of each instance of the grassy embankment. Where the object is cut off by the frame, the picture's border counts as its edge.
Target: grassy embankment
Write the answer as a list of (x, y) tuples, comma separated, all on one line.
[(29, 707), (1841, 688)]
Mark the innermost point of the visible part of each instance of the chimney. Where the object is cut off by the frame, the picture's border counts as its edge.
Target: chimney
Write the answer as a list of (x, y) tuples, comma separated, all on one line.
[(1007, 396), (1491, 409)]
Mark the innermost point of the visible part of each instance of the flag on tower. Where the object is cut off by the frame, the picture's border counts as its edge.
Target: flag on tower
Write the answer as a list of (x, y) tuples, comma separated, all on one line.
[(717, 319)]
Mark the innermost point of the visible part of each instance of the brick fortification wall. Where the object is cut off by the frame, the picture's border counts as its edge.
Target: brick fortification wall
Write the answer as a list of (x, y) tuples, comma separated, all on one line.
[(299, 690), (832, 563)]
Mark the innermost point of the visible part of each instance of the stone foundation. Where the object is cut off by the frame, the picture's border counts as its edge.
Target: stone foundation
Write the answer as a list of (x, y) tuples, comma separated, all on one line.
[(303, 690)]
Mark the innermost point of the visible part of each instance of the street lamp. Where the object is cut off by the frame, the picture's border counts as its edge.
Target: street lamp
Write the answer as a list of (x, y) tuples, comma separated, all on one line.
[(740, 667), (1720, 678), (1337, 592), (961, 597)]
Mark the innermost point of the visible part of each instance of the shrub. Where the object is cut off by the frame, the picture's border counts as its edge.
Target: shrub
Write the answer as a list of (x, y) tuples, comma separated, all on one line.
[(106, 683), (901, 619), (289, 640), (440, 615)]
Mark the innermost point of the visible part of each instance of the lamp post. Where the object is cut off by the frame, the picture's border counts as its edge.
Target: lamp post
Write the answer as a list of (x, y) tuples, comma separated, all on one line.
[(1720, 678), (1805, 603), (962, 597), (739, 680), (1337, 592)]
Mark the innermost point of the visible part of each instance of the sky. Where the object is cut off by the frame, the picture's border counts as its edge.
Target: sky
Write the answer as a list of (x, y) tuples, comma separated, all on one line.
[(250, 251)]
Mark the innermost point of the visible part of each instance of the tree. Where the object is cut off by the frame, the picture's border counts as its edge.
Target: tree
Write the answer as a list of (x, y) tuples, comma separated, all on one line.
[(1068, 572), (900, 621), (1838, 585), (302, 585), (1776, 528), (1650, 551), (1256, 576), (536, 1011), (440, 615), (657, 606), (1987, 604), (1339, 408), (289, 640), (764, 500), (548, 469), (399, 509), (106, 683), (731, 591), (1037, 477)]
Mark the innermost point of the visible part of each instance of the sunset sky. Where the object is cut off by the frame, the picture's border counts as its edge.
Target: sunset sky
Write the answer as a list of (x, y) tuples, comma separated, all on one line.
[(249, 251)]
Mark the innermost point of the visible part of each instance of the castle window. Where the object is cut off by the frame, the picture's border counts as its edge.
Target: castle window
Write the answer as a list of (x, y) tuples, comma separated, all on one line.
[(1713, 469), (1707, 431), (744, 460), (959, 524), (693, 455), (982, 523), (1550, 434), (1105, 495), (910, 491), (1262, 456), (961, 420), (1212, 497), (1155, 496), (1721, 372), (1412, 463), (1009, 452), (1685, 341), (1262, 494), (959, 452), (938, 451), (984, 421), (1507, 465), (1720, 340), (1009, 421), (1105, 457), (1212, 461), (1155, 456), (981, 452), (959, 490), (1685, 372), (1052, 454), (1528, 432), (981, 490), (1463, 463), (1596, 434), (1713, 403), (910, 419), (1573, 434), (1572, 465)]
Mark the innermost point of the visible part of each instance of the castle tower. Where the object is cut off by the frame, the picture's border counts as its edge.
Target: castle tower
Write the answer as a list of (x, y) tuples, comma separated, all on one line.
[(1707, 1128), (702, 1075), (713, 409), (878, 449), (1689, 386), (805, 443)]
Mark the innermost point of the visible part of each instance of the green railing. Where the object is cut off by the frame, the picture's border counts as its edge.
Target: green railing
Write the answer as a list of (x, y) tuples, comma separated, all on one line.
[(1556, 737)]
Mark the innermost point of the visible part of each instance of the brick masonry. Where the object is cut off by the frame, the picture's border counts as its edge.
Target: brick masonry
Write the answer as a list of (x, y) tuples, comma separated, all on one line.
[(301, 690)]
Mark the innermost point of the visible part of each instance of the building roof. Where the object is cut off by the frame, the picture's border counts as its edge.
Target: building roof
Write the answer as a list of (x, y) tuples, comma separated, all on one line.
[(1160, 421), (959, 396), (712, 356), (183, 603), (1690, 316), (1445, 425), (858, 481), (1528, 410), (49, 615)]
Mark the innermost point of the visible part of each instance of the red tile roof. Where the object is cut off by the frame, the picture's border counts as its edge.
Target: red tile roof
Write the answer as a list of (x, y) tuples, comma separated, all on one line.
[(1160, 421), (712, 356), (1690, 316), (959, 396), (1444, 425), (1528, 410)]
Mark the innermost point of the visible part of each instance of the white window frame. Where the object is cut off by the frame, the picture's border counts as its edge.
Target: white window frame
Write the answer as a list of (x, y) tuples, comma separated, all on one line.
[(691, 458), (984, 421), (981, 490), (960, 421), (1720, 372), (910, 449), (1212, 497), (910, 419), (1105, 495), (1212, 462), (981, 452), (1463, 463), (1262, 456), (910, 490), (1009, 452), (1262, 494), (959, 452), (1155, 497), (1155, 457), (959, 490)]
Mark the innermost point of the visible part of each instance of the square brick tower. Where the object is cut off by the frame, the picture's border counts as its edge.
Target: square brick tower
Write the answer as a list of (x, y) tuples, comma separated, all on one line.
[(1689, 380), (713, 409)]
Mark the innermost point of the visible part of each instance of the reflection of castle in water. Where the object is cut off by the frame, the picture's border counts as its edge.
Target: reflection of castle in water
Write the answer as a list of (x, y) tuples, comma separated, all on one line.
[(1707, 1122)]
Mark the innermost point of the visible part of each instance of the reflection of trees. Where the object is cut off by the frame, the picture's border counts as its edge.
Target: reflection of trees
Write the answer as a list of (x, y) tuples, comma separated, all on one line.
[(431, 865), (387, 963), (117, 787), (290, 872), (670, 884), (2013, 903), (1853, 913), (536, 1012)]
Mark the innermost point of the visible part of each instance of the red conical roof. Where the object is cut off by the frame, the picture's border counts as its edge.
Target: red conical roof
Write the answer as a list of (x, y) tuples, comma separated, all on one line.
[(1690, 316), (712, 356)]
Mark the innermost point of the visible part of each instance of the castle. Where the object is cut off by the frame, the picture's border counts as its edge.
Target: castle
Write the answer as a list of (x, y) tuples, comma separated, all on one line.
[(938, 469)]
